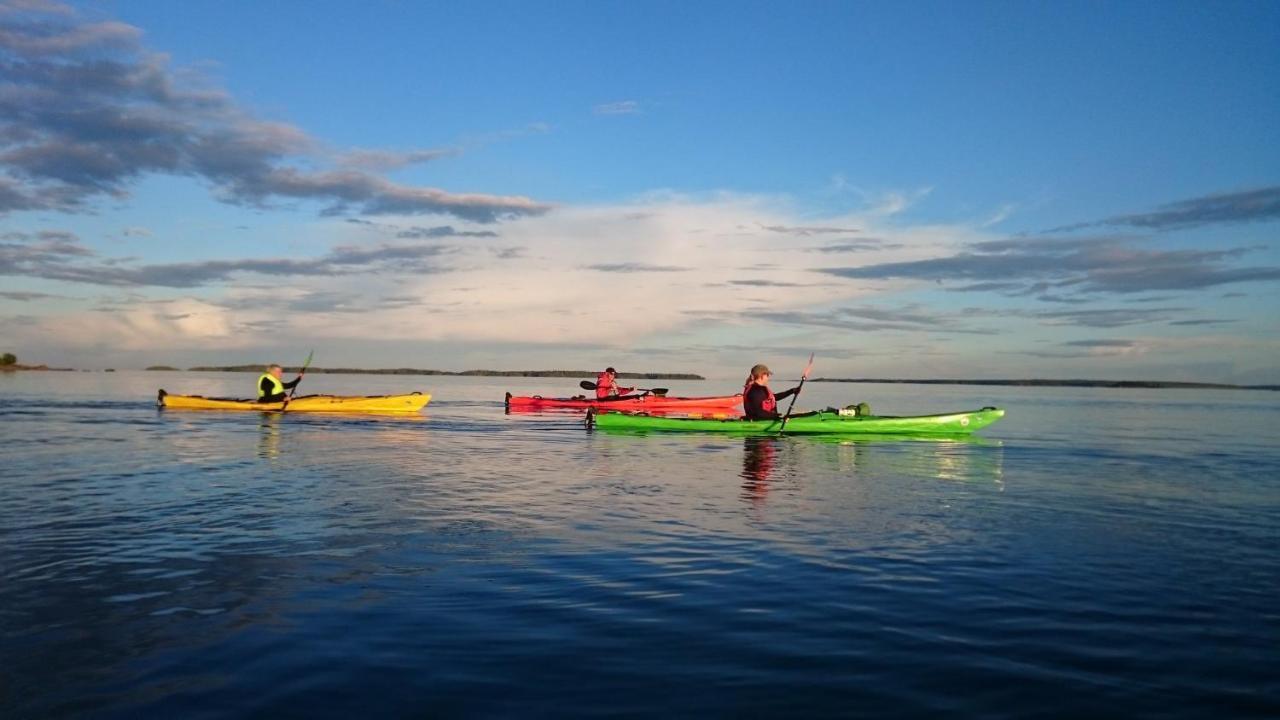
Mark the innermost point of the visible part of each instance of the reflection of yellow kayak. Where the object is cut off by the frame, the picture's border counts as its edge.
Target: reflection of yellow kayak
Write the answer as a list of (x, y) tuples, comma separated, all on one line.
[(304, 403)]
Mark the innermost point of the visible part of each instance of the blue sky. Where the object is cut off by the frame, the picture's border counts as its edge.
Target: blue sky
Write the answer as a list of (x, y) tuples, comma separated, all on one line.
[(909, 189)]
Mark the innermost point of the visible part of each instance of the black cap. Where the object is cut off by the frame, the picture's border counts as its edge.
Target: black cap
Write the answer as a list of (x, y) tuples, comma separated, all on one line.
[(611, 370)]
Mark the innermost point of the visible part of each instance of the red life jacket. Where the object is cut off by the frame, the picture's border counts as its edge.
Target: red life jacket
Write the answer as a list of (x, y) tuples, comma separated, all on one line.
[(605, 386), (770, 404)]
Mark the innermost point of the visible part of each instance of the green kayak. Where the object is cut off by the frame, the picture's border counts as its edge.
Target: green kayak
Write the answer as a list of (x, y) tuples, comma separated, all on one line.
[(826, 422)]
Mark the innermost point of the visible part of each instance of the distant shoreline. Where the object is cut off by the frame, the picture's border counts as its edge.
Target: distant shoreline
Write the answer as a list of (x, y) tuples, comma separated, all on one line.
[(463, 373), (1027, 382), (1038, 382), (36, 368)]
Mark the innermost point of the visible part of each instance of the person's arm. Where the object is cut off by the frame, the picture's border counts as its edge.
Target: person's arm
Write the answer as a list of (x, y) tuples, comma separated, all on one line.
[(625, 390), (786, 393), (265, 387), (292, 383)]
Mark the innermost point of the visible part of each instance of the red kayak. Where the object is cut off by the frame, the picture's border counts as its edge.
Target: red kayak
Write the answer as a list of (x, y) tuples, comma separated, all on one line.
[(626, 403)]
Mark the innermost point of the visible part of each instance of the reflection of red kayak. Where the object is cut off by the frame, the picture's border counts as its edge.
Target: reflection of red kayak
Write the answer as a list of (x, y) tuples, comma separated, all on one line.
[(626, 403)]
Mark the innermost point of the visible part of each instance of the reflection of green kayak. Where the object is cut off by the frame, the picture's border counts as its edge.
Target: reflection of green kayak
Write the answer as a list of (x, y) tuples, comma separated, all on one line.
[(827, 422)]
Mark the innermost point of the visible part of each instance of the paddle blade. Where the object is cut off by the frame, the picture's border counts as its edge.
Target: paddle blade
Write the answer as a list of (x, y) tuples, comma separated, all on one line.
[(807, 368), (587, 385)]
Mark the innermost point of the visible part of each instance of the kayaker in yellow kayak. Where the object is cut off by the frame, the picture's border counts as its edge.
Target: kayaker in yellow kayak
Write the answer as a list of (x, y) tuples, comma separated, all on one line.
[(271, 388), (606, 385), (758, 400)]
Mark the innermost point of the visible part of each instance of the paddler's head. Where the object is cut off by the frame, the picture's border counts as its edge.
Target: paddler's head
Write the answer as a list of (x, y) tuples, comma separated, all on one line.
[(275, 370), (760, 374)]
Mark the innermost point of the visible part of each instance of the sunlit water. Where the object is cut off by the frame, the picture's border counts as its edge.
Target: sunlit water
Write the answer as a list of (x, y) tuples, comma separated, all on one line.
[(1102, 553)]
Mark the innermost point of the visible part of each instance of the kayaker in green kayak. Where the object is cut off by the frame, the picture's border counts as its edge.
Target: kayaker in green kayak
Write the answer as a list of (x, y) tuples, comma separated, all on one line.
[(606, 385), (271, 388), (759, 402)]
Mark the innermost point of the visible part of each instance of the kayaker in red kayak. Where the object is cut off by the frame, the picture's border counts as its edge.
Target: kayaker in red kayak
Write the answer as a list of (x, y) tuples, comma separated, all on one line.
[(271, 388), (758, 401), (607, 387)]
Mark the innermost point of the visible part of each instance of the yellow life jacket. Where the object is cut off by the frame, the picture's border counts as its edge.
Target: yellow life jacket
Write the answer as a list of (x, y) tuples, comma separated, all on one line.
[(277, 387)]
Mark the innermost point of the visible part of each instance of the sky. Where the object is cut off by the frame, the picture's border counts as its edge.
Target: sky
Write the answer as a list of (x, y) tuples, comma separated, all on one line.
[(909, 190)]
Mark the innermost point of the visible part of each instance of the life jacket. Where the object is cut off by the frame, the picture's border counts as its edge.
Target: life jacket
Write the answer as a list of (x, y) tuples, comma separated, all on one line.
[(277, 387), (605, 386), (770, 404)]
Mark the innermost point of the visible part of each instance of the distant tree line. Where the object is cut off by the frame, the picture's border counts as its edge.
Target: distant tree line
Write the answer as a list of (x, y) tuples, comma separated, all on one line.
[(463, 373), (8, 359)]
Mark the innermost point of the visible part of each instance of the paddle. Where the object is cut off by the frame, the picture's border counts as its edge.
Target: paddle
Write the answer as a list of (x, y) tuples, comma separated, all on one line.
[(301, 372), (588, 385), (799, 387)]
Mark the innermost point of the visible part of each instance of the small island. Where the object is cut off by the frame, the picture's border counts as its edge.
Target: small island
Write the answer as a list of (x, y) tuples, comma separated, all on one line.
[(9, 363), (163, 368), (462, 373)]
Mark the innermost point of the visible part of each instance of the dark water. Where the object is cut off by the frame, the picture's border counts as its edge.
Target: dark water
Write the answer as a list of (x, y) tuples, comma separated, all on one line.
[(1101, 554)]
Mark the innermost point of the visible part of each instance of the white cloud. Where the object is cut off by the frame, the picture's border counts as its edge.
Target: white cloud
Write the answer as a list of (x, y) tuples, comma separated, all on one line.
[(662, 261), (1000, 215), (683, 282), (151, 325), (894, 203), (622, 107)]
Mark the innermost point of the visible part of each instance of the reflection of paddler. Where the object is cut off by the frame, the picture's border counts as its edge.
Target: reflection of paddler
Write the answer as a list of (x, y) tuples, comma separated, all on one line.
[(758, 457), (269, 439)]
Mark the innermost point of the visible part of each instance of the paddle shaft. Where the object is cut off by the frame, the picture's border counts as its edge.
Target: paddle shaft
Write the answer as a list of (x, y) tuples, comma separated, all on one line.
[(799, 387), (301, 372), (588, 385)]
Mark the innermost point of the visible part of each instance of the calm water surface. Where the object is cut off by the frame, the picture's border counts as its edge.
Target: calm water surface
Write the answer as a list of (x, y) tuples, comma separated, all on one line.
[(1100, 553)]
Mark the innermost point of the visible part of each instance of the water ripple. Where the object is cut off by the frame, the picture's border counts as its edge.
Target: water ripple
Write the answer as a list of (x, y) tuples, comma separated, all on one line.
[(1107, 555)]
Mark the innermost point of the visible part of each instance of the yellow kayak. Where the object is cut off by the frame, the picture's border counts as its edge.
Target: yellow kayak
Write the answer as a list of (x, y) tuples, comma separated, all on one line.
[(411, 403)]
